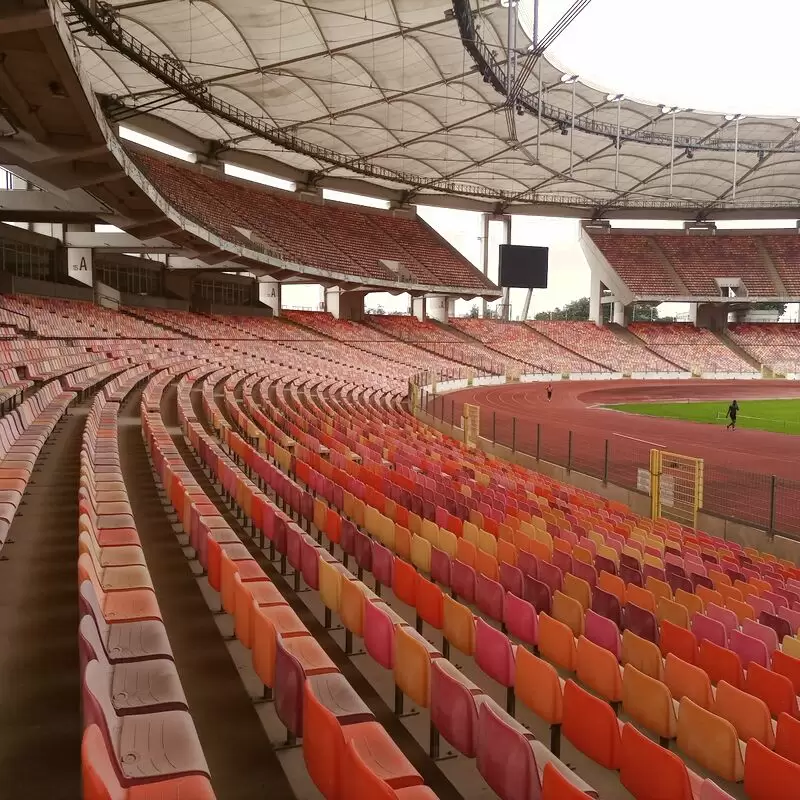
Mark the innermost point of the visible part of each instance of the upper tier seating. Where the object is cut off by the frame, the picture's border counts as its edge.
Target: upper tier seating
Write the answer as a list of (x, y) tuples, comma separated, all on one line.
[(602, 345), (518, 341), (784, 250), (336, 237), (700, 259), (691, 347), (638, 259), (637, 263)]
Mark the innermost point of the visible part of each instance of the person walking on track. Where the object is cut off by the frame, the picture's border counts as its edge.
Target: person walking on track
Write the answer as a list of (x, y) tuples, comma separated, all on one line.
[(549, 392), (733, 410)]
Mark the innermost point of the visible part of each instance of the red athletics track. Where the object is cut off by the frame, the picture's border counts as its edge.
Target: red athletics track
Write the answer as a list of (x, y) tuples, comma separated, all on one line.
[(738, 464)]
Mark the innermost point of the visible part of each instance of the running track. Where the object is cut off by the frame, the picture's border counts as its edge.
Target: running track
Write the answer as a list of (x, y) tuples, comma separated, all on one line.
[(738, 464)]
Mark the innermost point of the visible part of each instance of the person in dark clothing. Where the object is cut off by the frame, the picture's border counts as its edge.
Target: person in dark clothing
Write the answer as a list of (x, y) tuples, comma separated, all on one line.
[(733, 410), (549, 392)]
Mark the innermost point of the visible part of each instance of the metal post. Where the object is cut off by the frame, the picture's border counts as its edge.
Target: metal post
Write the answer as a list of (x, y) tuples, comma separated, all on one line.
[(494, 427), (572, 129), (772, 482), (539, 108), (605, 465), (569, 452), (735, 155), (513, 434), (452, 412), (535, 23), (672, 154), (538, 438), (510, 52), (616, 167)]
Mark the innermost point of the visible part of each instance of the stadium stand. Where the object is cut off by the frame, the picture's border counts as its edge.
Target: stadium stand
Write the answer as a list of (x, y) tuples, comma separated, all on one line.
[(603, 346), (404, 536), (775, 345), (784, 250), (330, 237), (692, 348)]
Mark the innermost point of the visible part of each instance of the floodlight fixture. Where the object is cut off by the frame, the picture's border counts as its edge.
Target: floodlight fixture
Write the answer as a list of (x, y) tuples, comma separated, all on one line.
[(670, 110), (569, 78), (736, 117), (615, 98)]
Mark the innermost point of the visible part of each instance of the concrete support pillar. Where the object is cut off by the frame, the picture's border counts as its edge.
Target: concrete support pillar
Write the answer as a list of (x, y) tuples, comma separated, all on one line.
[(506, 291), (595, 295), (451, 307), (693, 313), (436, 307), (620, 317), (269, 294), (344, 305), (418, 308), (80, 260)]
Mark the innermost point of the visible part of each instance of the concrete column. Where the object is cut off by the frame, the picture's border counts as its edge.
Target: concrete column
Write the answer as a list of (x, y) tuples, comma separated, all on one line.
[(451, 307), (620, 317), (344, 305), (269, 294), (436, 307), (507, 291), (80, 260), (418, 308), (693, 313), (595, 294), (485, 256)]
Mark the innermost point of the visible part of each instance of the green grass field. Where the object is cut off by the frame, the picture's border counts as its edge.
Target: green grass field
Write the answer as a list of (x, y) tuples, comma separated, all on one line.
[(778, 416)]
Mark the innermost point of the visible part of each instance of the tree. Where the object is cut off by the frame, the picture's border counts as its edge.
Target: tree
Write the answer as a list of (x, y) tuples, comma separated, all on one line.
[(779, 307), (576, 310), (474, 312)]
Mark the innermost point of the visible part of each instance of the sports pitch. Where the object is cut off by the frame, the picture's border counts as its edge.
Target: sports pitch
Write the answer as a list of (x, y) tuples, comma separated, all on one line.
[(778, 416)]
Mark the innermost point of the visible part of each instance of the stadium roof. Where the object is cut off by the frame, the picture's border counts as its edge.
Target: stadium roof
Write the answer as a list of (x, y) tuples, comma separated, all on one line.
[(409, 95)]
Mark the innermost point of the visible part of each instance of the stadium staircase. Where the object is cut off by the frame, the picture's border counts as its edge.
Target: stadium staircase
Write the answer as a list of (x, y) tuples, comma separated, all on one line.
[(130, 312), (41, 718), (739, 350), (769, 265), (667, 264), (632, 338)]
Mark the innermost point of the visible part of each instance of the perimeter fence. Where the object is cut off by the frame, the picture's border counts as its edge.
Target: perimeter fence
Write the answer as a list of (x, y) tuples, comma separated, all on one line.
[(764, 501)]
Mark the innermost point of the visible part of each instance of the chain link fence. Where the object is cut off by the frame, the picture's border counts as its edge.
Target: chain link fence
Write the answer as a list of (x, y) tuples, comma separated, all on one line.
[(763, 501)]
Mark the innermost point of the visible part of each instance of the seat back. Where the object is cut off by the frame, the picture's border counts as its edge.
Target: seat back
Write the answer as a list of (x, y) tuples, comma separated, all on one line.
[(101, 780), (787, 665), (511, 578), (503, 741), (591, 726), (521, 619), (569, 611), (454, 711), (330, 585), (289, 680), (641, 621), (463, 580), (763, 632), (557, 642), (643, 654), (405, 582), (648, 702), (412, 665), (687, 680), (598, 668), (787, 738), (748, 714), (720, 664), (774, 689), (379, 633), (351, 606), (723, 615), (651, 771), (578, 589), (490, 597), (538, 594), (556, 786), (538, 687), (607, 605), (676, 613), (678, 640), (494, 653), (429, 602), (712, 630), (458, 625), (603, 632), (768, 775), (709, 740), (748, 648)]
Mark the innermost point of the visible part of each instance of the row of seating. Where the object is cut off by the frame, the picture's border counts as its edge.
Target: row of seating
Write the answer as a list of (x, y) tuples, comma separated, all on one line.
[(139, 736), (366, 617), (23, 433), (287, 659)]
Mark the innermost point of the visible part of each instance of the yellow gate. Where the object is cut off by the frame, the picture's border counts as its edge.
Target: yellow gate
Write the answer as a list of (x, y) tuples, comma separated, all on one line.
[(676, 486)]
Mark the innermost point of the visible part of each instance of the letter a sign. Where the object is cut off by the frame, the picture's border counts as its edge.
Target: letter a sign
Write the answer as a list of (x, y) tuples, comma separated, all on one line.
[(79, 265)]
